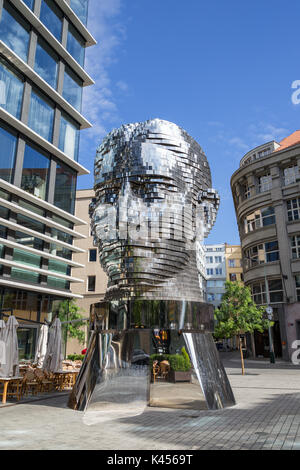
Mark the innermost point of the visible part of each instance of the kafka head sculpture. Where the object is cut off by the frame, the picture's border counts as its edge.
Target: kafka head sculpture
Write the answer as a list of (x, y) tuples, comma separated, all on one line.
[(154, 205)]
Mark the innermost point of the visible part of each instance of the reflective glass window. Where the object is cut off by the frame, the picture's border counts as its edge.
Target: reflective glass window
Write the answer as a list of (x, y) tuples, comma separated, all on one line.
[(8, 143), (29, 3), (41, 115), (3, 231), (72, 89), (24, 275), (52, 17), (60, 251), (64, 222), (31, 207), (11, 89), (4, 212), (14, 31), (29, 240), (35, 172), (58, 267), (75, 45), (65, 188), (62, 236), (57, 283), (27, 258), (80, 8), (46, 63), (69, 137), (30, 223)]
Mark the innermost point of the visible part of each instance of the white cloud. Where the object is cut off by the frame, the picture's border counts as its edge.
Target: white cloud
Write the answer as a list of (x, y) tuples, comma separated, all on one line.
[(99, 105)]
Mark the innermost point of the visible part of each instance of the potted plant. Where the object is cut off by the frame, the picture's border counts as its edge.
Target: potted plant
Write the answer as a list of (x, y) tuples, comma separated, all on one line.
[(180, 367)]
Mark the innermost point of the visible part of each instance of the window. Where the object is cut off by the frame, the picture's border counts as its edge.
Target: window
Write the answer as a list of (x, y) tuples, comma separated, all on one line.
[(258, 291), (210, 284), (209, 259), (8, 143), (263, 253), (57, 283), (293, 206), (231, 263), (60, 251), (58, 267), (232, 277), (247, 192), (297, 281), (35, 172), (65, 188), (291, 175), (31, 207), (52, 17), (61, 236), (209, 272), (209, 249), (80, 8), (69, 137), (91, 283), (218, 259), (29, 3), (295, 242), (24, 275), (14, 31), (46, 63), (210, 297), (27, 258), (264, 152), (264, 183), (61, 221), (41, 115), (30, 223), (72, 89), (75, 45), (28, 240), (92, 255), (11, 89), (219, 249), (259, 218), (218, 271)]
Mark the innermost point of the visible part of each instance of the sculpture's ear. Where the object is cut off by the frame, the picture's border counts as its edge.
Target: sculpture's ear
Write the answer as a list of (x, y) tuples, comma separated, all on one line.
[(208, 205)]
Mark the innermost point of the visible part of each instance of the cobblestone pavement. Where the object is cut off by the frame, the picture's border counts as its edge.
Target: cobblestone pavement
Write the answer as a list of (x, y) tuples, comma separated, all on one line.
[(267, 416)]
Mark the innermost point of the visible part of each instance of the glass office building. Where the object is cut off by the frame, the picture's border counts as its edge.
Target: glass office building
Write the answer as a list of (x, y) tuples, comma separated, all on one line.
[(42, 50)]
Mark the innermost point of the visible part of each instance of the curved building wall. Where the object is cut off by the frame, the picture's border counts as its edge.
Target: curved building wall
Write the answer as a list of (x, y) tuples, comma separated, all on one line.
[(266, 195)]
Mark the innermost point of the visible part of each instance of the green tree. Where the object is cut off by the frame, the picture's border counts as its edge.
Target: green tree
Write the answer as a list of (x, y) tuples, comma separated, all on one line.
[(68, 310), (238, 314)]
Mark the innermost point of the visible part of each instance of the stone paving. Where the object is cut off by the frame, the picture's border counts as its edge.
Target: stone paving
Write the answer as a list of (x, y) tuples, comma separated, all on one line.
[(267, 416)]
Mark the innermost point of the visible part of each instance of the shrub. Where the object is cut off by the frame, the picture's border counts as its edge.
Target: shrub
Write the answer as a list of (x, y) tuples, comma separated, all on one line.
[(178, 362), (75, 357)]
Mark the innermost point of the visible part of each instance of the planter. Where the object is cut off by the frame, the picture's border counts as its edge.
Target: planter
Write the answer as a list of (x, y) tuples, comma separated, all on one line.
[(180, 376)]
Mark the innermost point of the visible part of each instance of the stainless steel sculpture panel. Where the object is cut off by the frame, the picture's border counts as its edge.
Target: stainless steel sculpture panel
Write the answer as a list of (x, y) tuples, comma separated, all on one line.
[(153, 206)]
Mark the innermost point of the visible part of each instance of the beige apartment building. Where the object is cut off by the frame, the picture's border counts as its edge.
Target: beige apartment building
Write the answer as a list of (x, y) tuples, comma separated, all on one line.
[(233, 260), (93, 288), (266, 193)]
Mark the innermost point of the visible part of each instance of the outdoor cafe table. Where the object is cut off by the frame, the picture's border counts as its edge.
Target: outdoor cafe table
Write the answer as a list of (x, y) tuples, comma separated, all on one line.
[(6, 381), (66, 377)]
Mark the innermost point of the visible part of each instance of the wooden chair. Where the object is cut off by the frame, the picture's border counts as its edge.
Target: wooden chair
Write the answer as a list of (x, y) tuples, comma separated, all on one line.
[(164, 369), (46, 385), (155, 370), (15, 389), (31, 383)]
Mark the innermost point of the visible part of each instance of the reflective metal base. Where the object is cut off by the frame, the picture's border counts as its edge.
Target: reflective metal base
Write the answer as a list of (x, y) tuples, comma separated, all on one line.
[(124, 372)]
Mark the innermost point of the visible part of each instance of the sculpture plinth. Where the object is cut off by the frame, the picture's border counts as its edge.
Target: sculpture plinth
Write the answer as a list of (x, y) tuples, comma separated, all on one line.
[(151, 339)]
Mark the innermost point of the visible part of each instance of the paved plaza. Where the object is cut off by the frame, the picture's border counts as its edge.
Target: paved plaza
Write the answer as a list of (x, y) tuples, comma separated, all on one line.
[(267, 416)]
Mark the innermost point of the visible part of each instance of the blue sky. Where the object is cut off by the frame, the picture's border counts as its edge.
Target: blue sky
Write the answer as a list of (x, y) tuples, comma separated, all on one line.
[(222, 70)]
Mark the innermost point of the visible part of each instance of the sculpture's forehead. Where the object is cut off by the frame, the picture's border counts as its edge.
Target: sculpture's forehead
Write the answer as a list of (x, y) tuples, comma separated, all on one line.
[(152, 148)]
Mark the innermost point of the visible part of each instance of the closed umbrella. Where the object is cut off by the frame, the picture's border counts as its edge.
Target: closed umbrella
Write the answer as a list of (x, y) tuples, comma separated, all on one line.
[(53, 358), (11, 366), (41, 346), (2, 343)]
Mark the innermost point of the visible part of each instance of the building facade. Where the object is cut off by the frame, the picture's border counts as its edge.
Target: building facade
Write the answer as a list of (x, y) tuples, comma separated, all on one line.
[(93, 289), (42, 48), (215, 272), (233, 263), (266, 195)]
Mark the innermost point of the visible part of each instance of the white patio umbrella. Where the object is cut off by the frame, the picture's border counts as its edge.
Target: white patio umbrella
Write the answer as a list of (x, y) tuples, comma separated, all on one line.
[(2, 344), (11, 366), (54, 357), (41, 346)]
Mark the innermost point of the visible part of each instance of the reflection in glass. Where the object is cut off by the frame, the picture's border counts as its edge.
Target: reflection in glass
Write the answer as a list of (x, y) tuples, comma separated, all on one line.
[(57, 283), (69, 137), (30, 223), (41, 115), (8, 144), (72, 89), (24, 275), (14, 31), (11, 89), (46, 63), (80, 7), (29, 3), (65, 188), (51, 16), (25, 257), (75, 45), (35, 172), (28, 240)]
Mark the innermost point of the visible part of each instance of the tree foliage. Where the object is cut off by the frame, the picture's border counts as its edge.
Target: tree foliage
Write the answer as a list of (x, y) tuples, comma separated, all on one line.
[(238, 314), (69, 310)]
